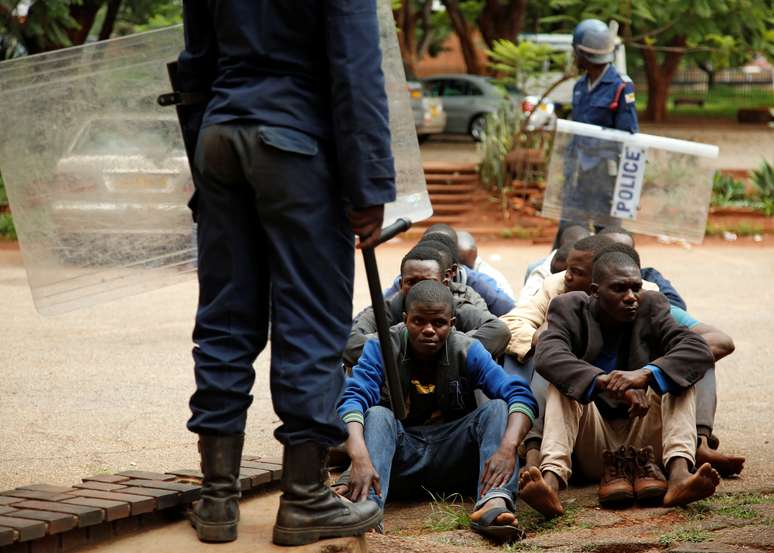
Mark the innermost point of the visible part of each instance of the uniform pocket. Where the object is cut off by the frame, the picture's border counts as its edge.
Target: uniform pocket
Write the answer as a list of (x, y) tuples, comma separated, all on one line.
[(288, 140)]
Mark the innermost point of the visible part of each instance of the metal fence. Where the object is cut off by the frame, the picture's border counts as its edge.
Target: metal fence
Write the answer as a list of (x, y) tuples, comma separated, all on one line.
[(742, 82)]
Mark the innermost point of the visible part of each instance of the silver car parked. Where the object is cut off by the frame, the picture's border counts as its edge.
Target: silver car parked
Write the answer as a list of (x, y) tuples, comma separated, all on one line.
[(468, 99)]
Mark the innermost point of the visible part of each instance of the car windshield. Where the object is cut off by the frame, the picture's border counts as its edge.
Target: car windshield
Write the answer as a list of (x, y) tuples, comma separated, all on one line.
[(129, 137)]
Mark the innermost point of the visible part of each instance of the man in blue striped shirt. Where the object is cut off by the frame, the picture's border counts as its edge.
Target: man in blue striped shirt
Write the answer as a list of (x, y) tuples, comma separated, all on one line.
[(446, 443)]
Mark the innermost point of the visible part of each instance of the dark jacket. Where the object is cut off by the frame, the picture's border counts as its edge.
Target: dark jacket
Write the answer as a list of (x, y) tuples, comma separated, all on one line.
[(310, 68), (471, 319), (573, 341), (463, 366)]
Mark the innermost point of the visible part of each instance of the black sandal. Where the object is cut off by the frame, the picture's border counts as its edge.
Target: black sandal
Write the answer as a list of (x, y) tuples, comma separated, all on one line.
[(499, 532)]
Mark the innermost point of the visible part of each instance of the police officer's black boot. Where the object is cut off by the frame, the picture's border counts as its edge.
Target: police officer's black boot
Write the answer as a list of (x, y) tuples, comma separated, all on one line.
[(309, 510), (216, 515)]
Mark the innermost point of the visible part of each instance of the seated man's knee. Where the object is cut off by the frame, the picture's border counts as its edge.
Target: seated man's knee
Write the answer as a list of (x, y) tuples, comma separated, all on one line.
[(380, 416)]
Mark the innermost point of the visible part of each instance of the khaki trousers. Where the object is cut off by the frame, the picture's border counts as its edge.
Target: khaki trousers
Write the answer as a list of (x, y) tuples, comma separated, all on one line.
[(669, 426)]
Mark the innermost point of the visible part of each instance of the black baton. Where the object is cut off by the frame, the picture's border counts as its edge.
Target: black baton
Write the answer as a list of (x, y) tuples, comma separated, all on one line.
[(383, 329)]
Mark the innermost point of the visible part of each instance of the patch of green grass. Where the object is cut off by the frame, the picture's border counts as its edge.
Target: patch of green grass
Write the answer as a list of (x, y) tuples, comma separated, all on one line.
[(7, 229), (447, 512), (721, 102), (681, 535), (737, 506)]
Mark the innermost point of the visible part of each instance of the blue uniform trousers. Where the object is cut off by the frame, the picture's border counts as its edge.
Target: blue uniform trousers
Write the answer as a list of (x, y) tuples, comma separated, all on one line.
[(274, 242)]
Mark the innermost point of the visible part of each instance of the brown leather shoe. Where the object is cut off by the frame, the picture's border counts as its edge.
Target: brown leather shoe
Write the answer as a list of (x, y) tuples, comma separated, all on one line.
[(649, 481), (616, 486)]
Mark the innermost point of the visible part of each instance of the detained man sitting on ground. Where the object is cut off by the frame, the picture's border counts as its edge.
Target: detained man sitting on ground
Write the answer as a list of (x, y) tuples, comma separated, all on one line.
[(721, 345), (621, 400), (446, 443), (528, 321), (418, 265), (468, 250)]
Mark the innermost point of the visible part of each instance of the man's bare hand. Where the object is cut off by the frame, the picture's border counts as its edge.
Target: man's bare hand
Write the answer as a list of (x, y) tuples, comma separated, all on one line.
[(367, 224), (362, 479), (638, 402), (498, 469), (620, 381)]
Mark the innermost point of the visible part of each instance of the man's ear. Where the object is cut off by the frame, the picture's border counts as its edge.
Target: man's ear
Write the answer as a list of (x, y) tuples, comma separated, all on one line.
[(453, 321), (405, 317), (594, 290)]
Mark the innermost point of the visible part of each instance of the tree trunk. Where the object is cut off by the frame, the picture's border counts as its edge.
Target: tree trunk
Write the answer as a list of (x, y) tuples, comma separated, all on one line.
[(659, 76), (709, 70), (504, 21), (84, 15), (110, 19), (425, 22), (462, 30), (405, 20)]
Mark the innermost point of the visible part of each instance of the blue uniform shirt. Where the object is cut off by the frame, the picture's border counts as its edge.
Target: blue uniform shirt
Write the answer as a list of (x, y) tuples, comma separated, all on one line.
[(597, 106), (309, 70)]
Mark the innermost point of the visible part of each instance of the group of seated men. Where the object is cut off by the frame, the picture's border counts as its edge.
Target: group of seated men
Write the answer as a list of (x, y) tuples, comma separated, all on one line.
[(597, 366)]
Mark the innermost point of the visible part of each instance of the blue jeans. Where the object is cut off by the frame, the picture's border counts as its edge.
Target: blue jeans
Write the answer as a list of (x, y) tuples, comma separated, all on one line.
[(539, 386), (446, 457)]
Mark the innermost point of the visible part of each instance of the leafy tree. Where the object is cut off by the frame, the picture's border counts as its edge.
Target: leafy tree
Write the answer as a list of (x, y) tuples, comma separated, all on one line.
[(668, 32), (33, 26)]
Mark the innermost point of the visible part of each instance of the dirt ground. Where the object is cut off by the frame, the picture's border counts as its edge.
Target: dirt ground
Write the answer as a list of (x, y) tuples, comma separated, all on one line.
[(106, 388)]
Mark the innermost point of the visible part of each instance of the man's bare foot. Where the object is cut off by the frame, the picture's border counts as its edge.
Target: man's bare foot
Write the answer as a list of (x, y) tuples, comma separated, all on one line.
[(502, 519), (693, 487), (538, 494), (726, 465)]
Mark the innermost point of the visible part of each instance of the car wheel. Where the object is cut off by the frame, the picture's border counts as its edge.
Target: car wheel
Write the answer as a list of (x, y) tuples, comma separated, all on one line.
[(477, 127)]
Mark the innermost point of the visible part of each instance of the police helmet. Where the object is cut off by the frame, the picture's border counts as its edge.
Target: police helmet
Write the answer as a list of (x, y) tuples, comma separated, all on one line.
[(594, 41)]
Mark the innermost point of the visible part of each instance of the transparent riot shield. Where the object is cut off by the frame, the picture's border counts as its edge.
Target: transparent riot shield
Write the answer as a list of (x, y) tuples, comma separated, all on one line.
[(96, 172), (645, 183), (412, 201)]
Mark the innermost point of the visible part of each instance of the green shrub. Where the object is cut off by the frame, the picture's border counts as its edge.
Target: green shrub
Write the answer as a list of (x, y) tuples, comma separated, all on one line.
[(727, 190), (7, 230)]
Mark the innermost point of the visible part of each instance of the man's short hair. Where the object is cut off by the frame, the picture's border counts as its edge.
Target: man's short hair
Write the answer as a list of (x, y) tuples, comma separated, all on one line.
[(445, 239), (593, 244), (608, 261), (429, 292), (447, 256), (424, 253), (573, 233), (442, 228), (561, 255), (615, 229), (618, 247)]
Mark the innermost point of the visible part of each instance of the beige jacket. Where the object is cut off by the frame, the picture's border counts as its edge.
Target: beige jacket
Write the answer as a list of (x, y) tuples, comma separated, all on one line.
[(524, 319)]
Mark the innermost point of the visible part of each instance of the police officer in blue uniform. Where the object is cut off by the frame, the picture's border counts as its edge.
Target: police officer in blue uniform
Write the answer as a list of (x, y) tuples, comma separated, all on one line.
[(603, 97), (292, 159)]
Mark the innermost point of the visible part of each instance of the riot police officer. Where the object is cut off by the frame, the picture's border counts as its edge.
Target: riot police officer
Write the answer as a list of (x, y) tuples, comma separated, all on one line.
[(292, 155), (603, 97)]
